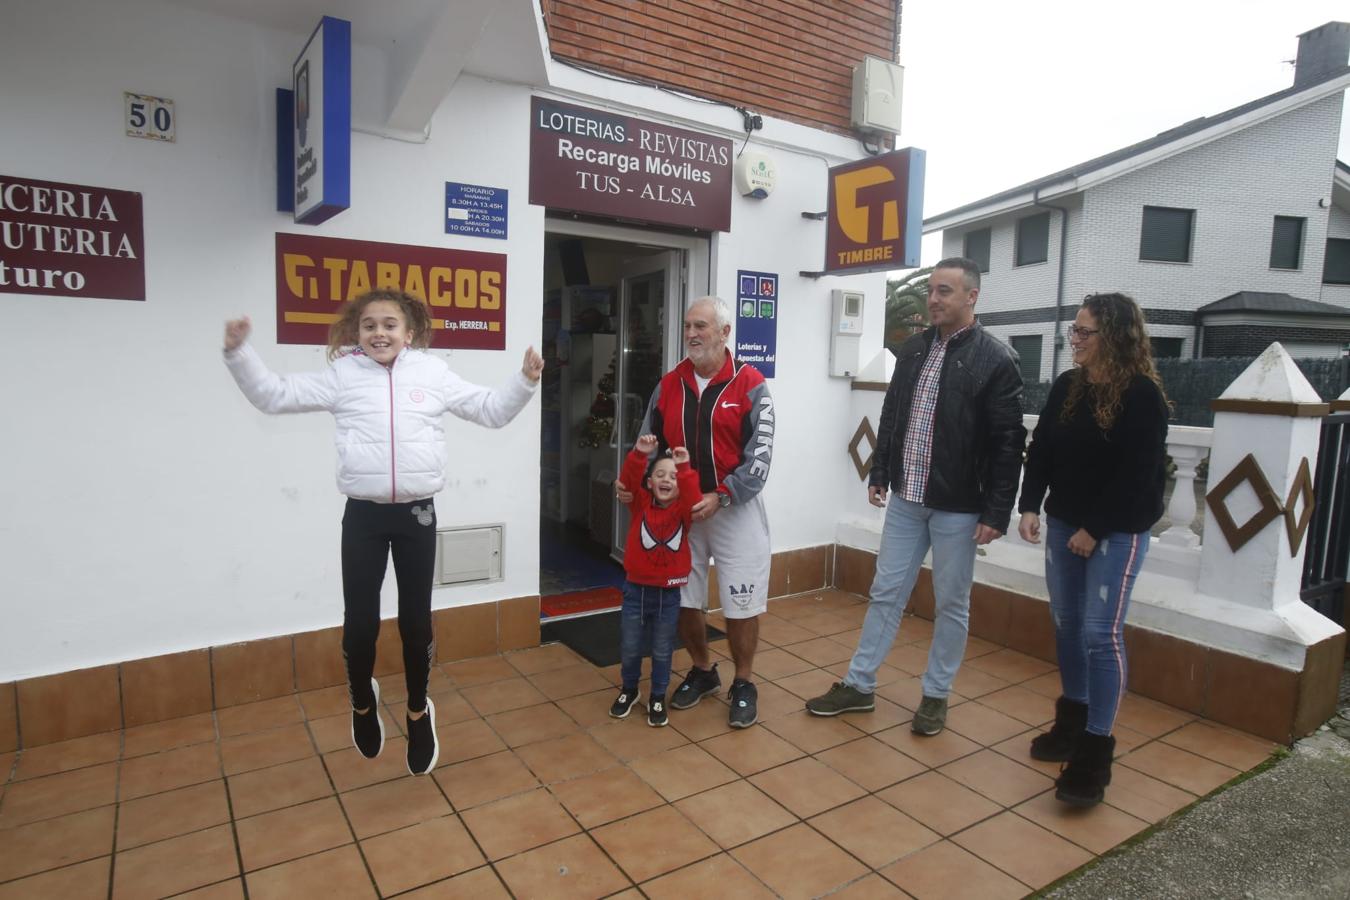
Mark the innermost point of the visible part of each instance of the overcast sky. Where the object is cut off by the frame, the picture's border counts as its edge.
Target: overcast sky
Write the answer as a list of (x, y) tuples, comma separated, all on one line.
[(1000, 92)]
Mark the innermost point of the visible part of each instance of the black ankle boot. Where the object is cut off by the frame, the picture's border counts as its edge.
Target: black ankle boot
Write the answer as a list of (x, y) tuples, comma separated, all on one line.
[(1083, 781), (1057, 744)]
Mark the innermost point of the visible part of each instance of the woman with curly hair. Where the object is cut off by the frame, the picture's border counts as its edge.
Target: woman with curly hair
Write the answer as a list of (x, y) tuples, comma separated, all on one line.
[(1100, 449)]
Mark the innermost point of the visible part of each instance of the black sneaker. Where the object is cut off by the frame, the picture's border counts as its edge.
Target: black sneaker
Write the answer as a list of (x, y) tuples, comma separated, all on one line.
[(744, 697), (656, 711), (696, 685), (623, 704), (368, 727), (423, 746)]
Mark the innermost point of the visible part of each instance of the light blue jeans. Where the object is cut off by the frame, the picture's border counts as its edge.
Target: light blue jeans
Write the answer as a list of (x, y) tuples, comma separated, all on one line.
[(910, 529), (1088, 601)]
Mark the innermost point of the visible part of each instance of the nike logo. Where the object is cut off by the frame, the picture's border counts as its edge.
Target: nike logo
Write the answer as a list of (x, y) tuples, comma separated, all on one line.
[(726, 405)]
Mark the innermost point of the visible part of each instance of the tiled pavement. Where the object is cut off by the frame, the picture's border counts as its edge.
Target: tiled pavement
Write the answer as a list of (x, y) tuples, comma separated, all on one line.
[(539, 794)]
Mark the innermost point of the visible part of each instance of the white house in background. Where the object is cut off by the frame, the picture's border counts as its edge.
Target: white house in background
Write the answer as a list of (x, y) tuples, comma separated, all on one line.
[(1250, 201)]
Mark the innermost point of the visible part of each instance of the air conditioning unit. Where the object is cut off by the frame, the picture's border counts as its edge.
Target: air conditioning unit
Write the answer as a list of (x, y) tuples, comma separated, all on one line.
[(469, 555), (877, 88)]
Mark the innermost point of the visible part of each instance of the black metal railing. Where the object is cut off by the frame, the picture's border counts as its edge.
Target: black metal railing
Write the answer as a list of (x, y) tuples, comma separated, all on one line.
[(1328, 536)]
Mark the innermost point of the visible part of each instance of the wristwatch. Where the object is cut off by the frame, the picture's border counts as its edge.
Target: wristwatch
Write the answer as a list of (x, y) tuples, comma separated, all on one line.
[(723, 500)]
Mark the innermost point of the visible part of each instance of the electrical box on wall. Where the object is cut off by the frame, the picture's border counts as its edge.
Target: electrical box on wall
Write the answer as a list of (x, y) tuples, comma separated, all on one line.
[(846, 313), (877, 86), (468, 555)]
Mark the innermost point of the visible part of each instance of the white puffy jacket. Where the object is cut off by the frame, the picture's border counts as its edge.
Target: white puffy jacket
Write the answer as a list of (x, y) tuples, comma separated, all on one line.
[(390, 443)]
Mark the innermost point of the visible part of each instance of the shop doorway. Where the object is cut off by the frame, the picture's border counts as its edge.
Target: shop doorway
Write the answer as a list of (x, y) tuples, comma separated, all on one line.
[(613, 301)]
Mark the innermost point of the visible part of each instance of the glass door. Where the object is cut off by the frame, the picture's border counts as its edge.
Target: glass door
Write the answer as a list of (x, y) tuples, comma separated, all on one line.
[(650, 288)]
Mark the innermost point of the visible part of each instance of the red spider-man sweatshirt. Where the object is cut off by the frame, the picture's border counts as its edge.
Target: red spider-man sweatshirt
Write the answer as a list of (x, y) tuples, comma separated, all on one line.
[(657, 551)]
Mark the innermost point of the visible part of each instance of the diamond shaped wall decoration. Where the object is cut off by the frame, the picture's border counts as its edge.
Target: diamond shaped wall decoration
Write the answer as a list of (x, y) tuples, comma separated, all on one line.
[(1248, 470), (864, 431), (1302, 488)]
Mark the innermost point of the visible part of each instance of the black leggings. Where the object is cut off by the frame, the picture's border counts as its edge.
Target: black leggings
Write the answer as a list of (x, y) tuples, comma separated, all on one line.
[(369, 532)]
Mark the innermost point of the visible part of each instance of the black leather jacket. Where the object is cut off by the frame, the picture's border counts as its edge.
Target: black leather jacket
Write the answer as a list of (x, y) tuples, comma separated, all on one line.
[(978, 434)]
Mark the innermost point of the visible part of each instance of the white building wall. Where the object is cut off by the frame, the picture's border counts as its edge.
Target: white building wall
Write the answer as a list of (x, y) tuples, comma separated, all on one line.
[(148, 508)]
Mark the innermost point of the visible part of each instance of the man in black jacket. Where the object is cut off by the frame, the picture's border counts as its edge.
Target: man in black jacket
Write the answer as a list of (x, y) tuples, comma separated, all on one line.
[(950, 447)]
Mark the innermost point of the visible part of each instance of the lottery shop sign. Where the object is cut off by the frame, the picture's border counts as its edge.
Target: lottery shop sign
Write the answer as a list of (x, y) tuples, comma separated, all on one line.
[(590, 161), (70, 240), (465, 290)]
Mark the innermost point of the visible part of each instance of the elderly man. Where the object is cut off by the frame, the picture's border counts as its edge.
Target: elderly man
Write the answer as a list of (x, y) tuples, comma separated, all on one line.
[(720, 409), (950, 446)]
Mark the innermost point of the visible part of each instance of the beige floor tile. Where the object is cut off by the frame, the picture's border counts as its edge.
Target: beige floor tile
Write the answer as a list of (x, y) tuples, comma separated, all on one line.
[(820, 651), (325, 702), (682, 771), (824, 623), (429, 851), (870, 763), (1178, 767), (291, 833), (548, 658), (590, 709), (939, 803), (566, 757), (928, 875), (480, 884), (570, 869), (519, 823), (1018, 749), (1221, 745), (806, 787), (778, 632), (798, 862), (654, 843), (808, 684), (1010, 665), (263, 715), (1143, 796), (717, 876), (350, 770), (931, 750), (221, 890), (487, 778), (36, 847), (1047, 685), (773, 663), (811, 734), (908, 658), (262, 749), (605, 796), (483, 670), (706, 720), (176, 865), (735, 813), (466, 740), (1149, 717), (774, 702), (569, 682), (333, 732), (51, 759), (172, 813), (57, 795), (873, 831), (1026, 851), (885, 714), (264, 790), (85, 881), (908, 692), (1096, 829), (333, 875), (973, 682), (532, 724), (393, 804), (632, 738), (997, 777), (872, 887), (983, 725), (1020, 703), (502, 696)]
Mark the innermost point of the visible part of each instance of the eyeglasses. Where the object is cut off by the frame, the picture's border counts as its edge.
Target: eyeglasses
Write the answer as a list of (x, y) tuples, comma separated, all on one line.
[(1081, 333)]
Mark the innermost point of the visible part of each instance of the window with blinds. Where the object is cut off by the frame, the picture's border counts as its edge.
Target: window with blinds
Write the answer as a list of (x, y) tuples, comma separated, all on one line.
[(1336, 266), (1165, 235), (1286, 243), (977, 248), (1033, 240)]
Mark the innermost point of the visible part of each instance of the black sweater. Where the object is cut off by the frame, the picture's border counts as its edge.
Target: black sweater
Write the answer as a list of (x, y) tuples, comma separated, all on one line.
[(1099, 481)]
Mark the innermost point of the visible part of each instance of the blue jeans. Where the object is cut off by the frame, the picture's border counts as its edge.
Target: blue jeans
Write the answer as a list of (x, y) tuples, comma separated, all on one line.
[(910, 529), (647, 623), (1088, 601)]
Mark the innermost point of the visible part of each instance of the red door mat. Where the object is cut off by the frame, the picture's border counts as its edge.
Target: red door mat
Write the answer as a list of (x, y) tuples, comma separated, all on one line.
[(580, 602)]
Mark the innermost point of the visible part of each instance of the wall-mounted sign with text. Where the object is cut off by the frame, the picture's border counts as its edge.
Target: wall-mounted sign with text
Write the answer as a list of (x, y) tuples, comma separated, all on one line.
[(475, 210), (321, 80), (589, 161), (875, 217), (757, 320), (70, 240), (465, 290)]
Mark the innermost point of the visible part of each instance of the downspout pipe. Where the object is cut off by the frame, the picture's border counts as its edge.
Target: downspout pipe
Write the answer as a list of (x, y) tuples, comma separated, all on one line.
[(1056, 338)]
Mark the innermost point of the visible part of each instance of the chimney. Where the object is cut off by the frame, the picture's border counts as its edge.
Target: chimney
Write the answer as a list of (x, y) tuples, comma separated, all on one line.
[(1322, 51)]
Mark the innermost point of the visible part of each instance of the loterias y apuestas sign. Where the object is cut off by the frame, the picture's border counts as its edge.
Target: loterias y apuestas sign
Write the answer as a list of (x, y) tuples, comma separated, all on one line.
[(587, 160)]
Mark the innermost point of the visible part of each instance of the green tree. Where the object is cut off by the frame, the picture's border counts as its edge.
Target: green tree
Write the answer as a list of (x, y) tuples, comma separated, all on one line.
[(906, 306)]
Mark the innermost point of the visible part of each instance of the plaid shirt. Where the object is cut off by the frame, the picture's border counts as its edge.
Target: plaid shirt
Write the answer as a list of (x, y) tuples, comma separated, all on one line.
[(918, 456)]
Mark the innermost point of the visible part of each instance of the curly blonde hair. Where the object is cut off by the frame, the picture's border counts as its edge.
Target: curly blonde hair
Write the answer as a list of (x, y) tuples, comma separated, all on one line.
[(344, 334), (1123, 351)]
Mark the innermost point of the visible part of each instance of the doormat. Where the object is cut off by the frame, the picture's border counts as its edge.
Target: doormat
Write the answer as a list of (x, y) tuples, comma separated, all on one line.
[(597, 637), (579, 602)]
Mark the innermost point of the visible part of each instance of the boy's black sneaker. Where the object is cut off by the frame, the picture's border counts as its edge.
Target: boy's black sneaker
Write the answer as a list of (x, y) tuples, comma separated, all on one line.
[(368, 727), (623, 704), (423, 746), (695, 686), (744, 709), (656, 711)]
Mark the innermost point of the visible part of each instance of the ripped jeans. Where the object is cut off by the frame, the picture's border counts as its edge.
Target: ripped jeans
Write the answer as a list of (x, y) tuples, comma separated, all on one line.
[(1088, 600)]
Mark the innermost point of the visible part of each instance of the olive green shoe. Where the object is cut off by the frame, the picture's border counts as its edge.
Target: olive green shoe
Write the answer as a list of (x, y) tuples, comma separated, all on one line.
[(931, 717), (841, 698)]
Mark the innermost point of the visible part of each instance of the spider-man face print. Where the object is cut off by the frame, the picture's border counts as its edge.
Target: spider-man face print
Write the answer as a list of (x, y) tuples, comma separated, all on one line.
[(661, 545)]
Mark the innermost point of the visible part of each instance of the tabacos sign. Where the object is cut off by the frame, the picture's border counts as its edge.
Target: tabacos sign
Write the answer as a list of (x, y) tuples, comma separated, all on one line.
[(70, 240), (590, 161), (875, 217), (464, 290)]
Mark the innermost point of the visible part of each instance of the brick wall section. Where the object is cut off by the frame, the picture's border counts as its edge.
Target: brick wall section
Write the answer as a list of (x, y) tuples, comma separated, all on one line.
[(1252, 340), (1236, 185), (791, 59)]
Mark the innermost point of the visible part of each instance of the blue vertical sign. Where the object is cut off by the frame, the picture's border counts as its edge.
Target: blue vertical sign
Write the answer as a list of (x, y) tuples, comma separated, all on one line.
[(757, 320)]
